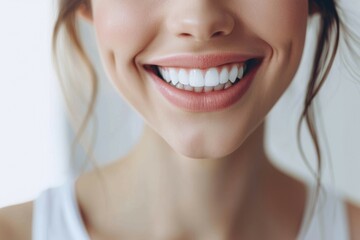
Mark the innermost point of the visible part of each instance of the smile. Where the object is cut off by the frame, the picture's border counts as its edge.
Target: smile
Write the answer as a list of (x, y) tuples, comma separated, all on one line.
[(202, 80), (204, 89)]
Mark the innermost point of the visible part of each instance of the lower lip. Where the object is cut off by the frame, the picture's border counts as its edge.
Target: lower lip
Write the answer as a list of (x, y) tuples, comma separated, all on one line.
[(205, 101)]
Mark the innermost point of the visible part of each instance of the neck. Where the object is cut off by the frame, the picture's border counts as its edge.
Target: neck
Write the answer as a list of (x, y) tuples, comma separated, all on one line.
[(200, 194)]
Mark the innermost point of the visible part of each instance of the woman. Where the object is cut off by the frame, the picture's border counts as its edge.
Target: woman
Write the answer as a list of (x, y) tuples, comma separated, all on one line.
[(203, 75)]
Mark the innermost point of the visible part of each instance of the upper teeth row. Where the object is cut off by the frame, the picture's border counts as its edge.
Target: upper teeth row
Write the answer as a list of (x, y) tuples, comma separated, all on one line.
[(211, 77)]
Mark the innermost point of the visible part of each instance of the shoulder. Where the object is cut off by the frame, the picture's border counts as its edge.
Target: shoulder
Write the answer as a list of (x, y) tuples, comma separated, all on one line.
[(92, 187), (97, 192), (354, 219), (16, 221)]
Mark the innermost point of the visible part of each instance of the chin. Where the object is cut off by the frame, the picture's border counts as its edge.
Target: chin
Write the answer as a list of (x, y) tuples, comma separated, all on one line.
[(205, 149)]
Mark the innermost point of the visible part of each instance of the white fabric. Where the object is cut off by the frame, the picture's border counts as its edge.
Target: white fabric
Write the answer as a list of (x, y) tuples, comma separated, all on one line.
[(56, 216), (330, 220)]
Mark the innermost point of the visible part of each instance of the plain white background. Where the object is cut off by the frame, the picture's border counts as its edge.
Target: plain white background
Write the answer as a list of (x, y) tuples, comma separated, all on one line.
[(32, 152), (33, 139)]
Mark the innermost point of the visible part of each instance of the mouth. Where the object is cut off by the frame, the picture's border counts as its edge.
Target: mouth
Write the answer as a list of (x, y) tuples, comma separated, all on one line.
[(204, 80), (203, 89)]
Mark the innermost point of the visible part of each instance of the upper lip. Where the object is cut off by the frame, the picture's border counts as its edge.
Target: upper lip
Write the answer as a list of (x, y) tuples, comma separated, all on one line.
[(200, 61)]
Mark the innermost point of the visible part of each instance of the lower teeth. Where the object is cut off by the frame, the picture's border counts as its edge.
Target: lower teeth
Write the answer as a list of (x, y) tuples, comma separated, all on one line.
[(204, 89)]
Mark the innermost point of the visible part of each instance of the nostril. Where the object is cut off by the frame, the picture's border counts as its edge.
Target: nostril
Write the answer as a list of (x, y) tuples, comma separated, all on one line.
[(185, 35), (205, 37), (218, 33)]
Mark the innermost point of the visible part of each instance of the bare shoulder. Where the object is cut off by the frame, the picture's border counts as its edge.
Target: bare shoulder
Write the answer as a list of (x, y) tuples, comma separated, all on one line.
[(91, 187), (353, 210), (16, 221), (96, 191)]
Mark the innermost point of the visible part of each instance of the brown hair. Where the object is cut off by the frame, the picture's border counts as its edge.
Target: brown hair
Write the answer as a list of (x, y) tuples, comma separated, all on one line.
[(326, 49)]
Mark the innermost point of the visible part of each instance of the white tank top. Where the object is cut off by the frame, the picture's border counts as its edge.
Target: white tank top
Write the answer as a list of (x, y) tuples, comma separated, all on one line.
[(56, 216)]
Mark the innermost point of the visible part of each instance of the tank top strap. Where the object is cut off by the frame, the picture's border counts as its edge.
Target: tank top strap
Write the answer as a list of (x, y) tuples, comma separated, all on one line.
[(329, 220), (56, 215)]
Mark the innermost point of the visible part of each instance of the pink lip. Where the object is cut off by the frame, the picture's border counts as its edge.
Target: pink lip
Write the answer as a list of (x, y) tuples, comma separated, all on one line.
[(200, 61), (204, 101)]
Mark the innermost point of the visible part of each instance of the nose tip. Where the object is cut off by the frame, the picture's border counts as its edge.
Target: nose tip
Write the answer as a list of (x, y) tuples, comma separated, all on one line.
[(204, 29), (201, 23)]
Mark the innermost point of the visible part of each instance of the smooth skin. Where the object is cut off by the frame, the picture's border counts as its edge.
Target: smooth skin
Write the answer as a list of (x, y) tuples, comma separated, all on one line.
[(193, 175)]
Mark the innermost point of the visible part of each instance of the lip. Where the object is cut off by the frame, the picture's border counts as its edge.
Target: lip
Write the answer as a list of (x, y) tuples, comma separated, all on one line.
[(200, 61), (205, 101)]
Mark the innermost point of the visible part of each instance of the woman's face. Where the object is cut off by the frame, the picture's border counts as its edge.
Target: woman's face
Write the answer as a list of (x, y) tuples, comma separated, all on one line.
[(204, 45)]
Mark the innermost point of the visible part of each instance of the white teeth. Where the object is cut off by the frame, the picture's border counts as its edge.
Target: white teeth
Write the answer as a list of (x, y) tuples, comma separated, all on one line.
[(219, 87), (241, 72), (180, 86), (212, 78), (196, 78), (173, 76), (165, 74), (199, 89), (183, 77), (233, 74), (208, 89), (188, 88), (227, 85), (224, 76), (203, 80)]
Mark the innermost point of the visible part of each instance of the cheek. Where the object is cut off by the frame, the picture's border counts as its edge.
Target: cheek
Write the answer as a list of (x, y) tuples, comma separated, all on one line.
[(121, 33), (281, 24), (120, 27), (277, 21)]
